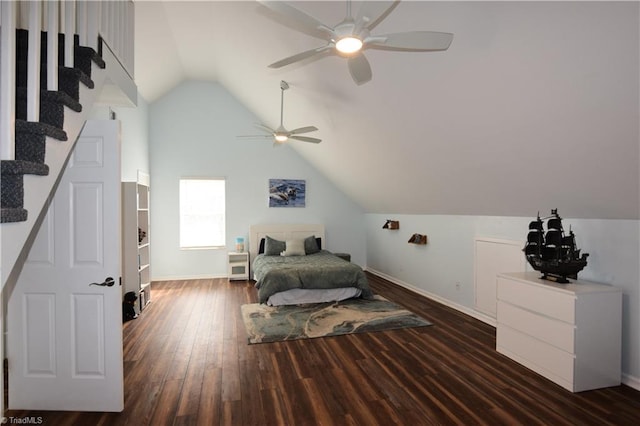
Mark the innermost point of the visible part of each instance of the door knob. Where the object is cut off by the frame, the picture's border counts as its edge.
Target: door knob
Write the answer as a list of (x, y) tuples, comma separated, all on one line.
[(108, 282)]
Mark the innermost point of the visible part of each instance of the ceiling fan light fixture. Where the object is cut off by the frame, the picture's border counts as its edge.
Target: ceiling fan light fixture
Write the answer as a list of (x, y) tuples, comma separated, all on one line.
[(349, 45), (281, 138)]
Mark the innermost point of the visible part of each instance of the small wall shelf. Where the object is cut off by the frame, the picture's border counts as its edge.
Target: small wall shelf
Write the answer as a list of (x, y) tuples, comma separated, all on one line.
[(418, 239), (391, 224)]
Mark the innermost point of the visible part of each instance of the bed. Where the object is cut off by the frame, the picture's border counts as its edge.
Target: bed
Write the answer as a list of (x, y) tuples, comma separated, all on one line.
[(287, 274)]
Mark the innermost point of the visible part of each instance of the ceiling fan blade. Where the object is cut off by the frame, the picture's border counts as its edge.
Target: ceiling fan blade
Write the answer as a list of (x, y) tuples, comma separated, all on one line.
[(298, 20), (300, 56), (265, 128), (306, 139), (307, 129), (371, 13), (412, 41), (359, 69), (254, 136)]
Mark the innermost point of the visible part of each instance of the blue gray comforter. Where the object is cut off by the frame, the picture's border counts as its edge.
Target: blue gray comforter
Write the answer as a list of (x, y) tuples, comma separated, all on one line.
[(321, 270)]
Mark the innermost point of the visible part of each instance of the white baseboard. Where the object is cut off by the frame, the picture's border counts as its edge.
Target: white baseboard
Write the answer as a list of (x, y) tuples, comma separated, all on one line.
[(627, 379), (188, 277), (631, 381), (461, 308)]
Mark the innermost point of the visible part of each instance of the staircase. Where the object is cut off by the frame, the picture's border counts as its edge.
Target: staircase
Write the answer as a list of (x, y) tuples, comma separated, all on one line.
[(52, 70), (30, 137)]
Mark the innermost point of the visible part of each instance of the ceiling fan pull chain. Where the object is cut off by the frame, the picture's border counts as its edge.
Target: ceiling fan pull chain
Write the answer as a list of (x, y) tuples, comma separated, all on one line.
[(283, 85)]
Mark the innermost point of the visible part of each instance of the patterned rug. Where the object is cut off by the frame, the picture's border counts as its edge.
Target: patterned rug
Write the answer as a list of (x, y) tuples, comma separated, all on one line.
[(278, 323)]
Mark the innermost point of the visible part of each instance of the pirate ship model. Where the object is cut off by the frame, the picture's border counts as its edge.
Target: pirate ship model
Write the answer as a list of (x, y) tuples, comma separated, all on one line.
[(553, 253)]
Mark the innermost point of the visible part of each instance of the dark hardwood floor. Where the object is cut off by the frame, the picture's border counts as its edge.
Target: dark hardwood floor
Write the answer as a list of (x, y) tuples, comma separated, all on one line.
[(187, 362)]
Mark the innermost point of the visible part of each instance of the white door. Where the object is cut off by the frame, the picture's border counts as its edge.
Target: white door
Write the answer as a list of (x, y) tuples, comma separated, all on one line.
[(64, 341), (492, 257)]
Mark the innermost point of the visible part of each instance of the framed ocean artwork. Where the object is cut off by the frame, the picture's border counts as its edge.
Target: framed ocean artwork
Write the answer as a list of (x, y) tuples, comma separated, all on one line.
[(287, 193)]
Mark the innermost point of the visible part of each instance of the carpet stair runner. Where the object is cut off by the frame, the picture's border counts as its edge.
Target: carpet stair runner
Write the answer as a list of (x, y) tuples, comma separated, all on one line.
[(30, 137)]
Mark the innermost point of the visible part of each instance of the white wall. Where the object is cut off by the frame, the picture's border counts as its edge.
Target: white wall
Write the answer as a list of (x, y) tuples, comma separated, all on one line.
[(135, 136), (434, 269), (193, 133)]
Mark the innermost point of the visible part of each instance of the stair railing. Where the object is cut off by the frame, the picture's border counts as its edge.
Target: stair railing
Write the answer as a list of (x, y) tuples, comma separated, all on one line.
[(109, 21)]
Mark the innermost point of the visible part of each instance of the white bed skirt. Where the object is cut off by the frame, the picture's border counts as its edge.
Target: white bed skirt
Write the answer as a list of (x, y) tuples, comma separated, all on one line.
[(299, 296)]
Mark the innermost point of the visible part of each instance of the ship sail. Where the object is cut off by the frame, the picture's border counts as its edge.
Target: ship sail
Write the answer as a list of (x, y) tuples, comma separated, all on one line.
[(554, 237), (536, 224), (554, 223), (535, 238)]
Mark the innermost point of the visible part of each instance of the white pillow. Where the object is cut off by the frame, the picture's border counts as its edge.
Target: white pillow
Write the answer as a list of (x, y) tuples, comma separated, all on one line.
[(294, 248)]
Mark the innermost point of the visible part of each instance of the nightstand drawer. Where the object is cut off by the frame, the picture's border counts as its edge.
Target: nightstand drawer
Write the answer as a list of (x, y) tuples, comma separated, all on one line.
[(238, 257), (554, 332), (537, 299)]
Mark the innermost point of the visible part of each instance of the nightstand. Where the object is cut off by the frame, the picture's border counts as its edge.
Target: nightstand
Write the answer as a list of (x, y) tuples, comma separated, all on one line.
[(238, 266)]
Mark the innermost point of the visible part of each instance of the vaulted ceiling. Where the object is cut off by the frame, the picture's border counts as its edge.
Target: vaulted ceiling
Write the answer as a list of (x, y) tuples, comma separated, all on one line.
[(534, 106)]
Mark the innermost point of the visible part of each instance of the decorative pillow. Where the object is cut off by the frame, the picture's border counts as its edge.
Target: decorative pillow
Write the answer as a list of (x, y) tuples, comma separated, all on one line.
[(261, 248), (311, 245), (294, 248), (273, 247)]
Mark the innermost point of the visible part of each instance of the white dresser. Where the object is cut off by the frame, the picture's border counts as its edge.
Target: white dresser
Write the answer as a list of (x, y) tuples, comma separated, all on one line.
[(569, 333)]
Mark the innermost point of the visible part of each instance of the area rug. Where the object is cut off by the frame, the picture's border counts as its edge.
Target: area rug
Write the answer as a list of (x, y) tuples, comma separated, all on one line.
[(279, 323)]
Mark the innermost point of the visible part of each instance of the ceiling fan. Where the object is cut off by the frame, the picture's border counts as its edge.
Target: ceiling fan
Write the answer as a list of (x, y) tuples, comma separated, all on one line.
[(282, 135), (353, 35)]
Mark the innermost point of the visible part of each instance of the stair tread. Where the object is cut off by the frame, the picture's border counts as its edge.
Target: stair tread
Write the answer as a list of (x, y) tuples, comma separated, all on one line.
[(90, 52), (57, 96), (74, 72), (40, 129), (21, 167), (10, 215), (80, 75)]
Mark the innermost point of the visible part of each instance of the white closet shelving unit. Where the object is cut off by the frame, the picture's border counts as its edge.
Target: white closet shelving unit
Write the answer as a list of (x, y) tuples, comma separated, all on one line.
[(136, 274)]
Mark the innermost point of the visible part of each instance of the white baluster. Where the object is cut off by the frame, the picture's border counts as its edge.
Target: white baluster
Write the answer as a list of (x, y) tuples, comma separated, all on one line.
[(52, 45), (93, 23), (7, 79), (33, 61), (69, 30)]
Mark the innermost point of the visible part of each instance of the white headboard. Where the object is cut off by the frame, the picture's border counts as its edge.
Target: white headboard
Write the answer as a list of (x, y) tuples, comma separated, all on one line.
[(282, 232)]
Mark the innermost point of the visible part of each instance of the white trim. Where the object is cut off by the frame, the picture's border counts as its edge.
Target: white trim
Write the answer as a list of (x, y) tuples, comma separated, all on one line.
[(517, 243), (465, 310), (631, 381), (187, 277)]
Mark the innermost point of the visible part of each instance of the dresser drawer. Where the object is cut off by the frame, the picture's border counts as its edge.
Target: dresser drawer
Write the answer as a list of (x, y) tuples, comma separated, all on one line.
[(549, 361), (538, 299), (549, 330)]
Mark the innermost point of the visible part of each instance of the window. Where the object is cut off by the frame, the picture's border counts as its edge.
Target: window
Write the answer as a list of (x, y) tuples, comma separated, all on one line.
[(202, 213)]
